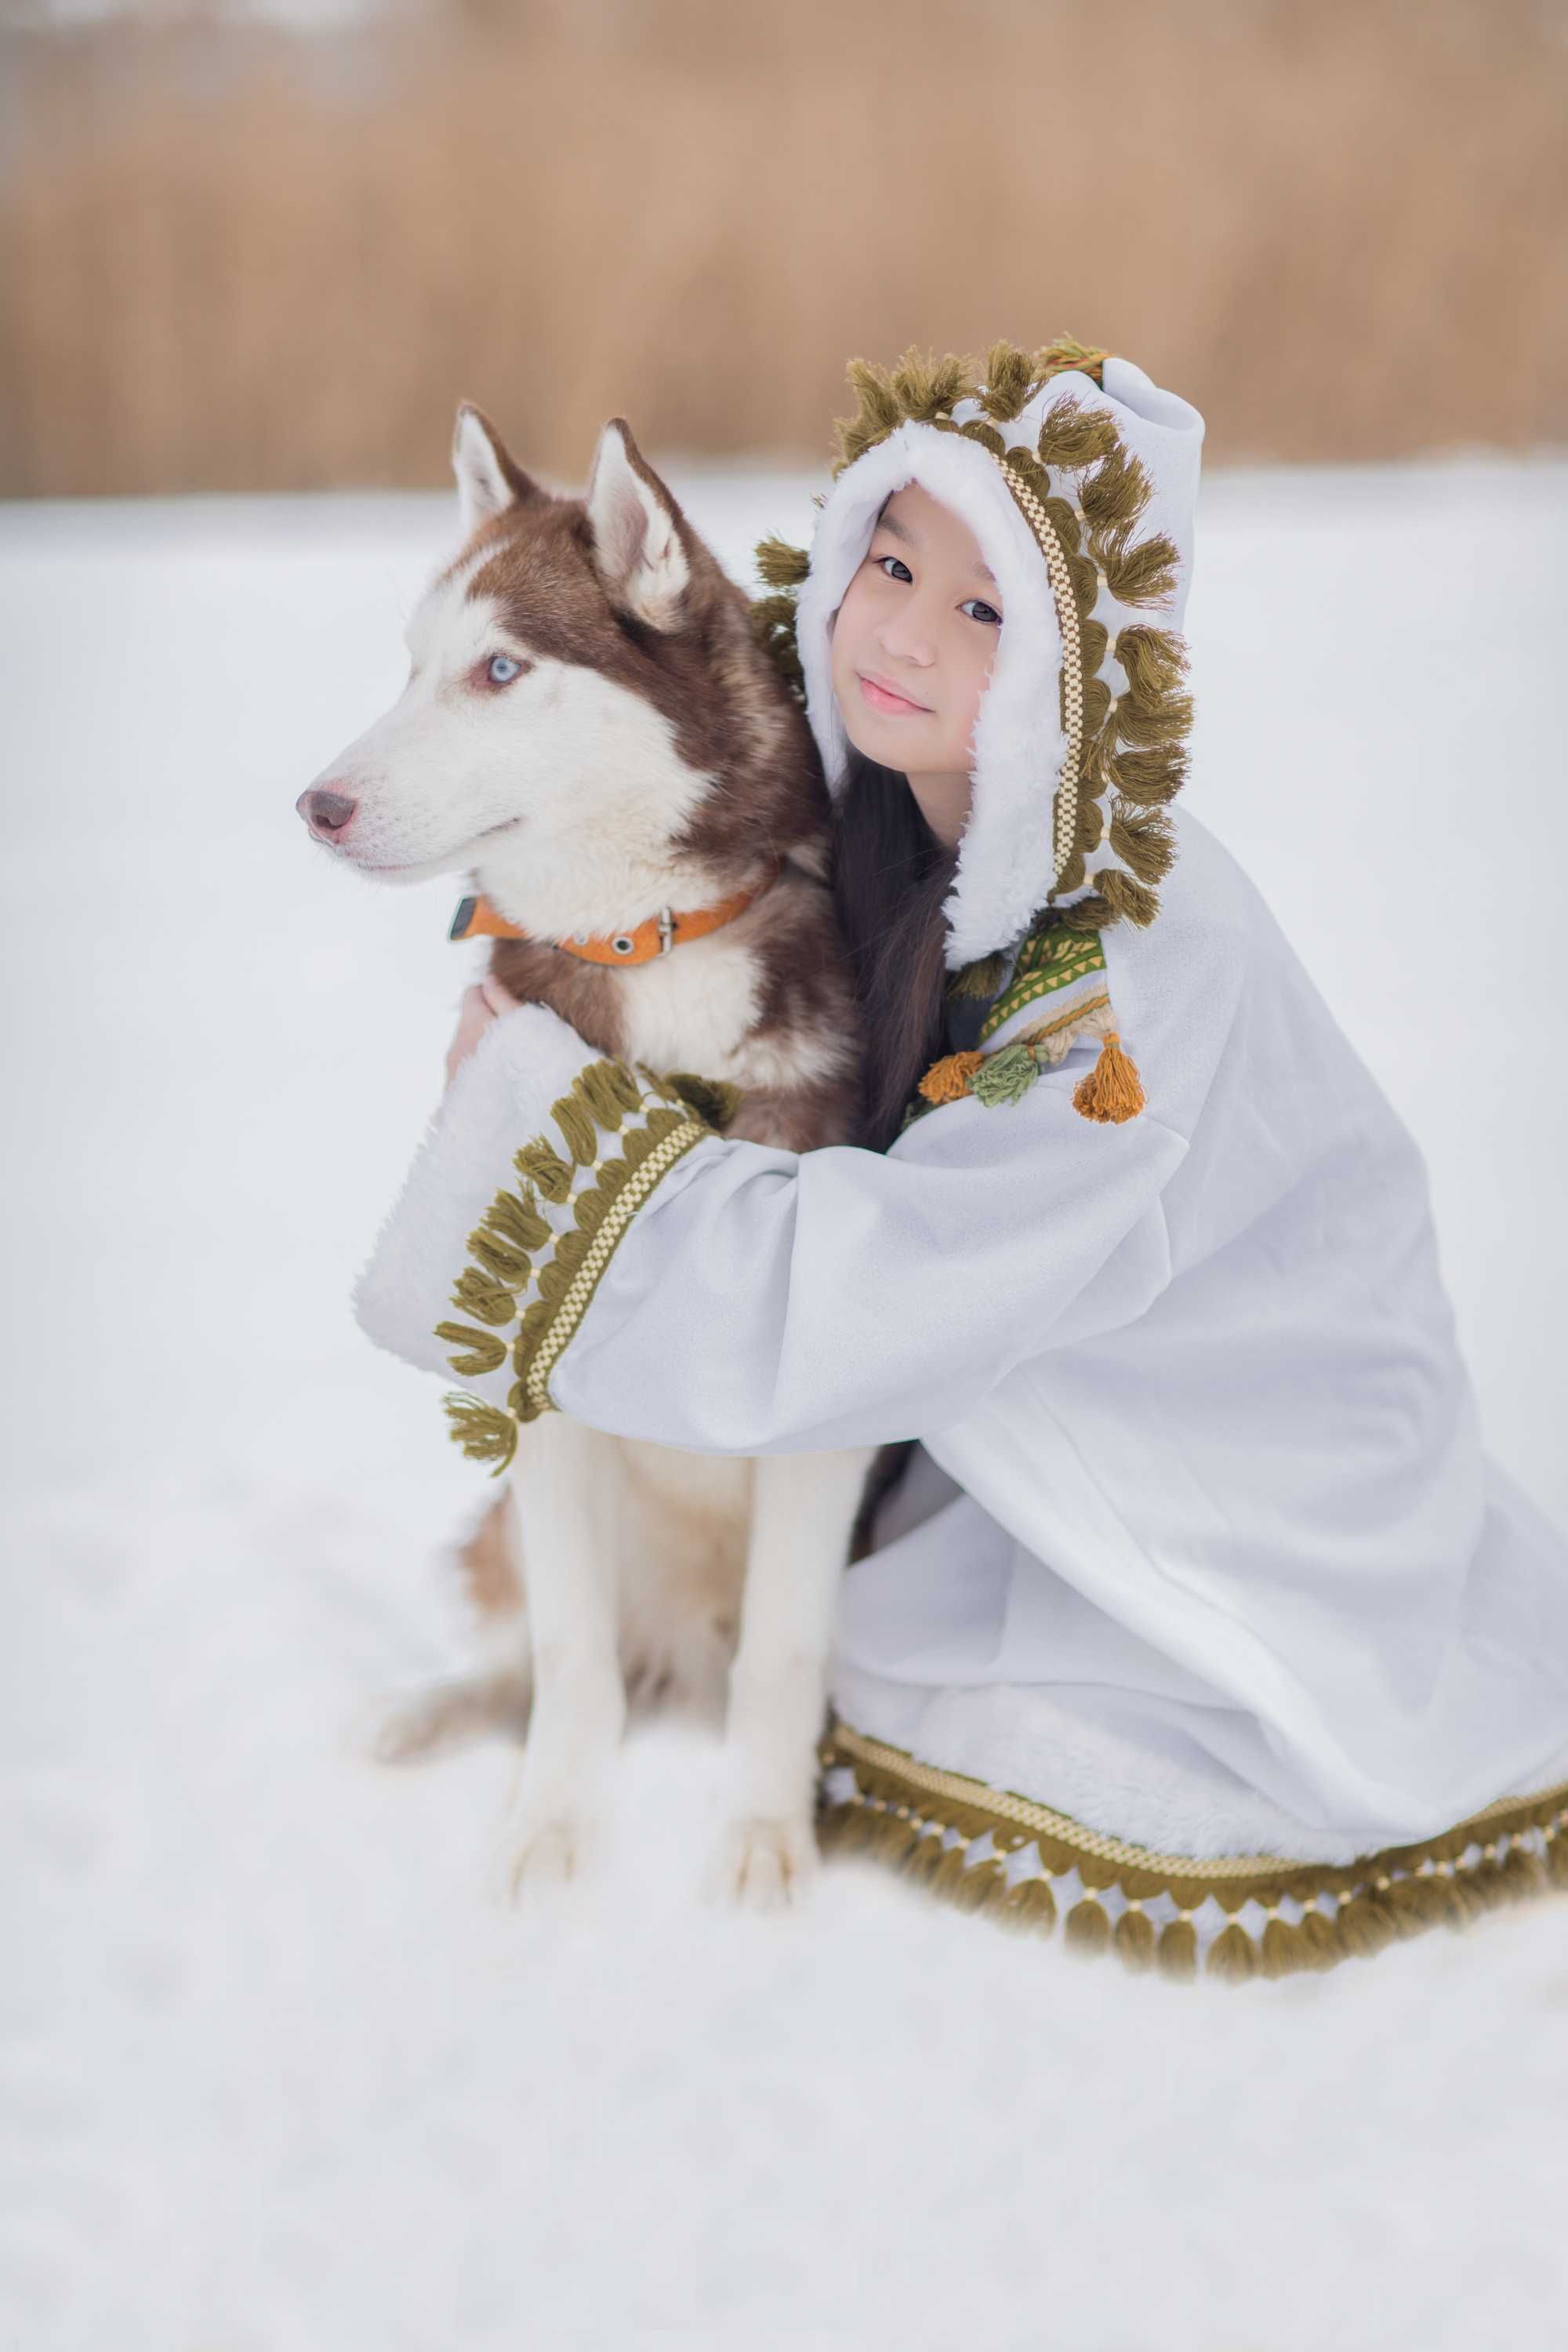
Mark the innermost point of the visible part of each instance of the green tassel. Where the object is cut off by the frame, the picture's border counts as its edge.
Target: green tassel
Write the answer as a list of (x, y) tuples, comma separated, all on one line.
[(1366, 1925), (521, 1405), (486, 1353), (980, 1885), (1177, 1954), (1116, 493), (1155, 661), (493, 1302), (554, 1282), (570, 1250), (575, 1120), (508, 1267), (987, 434), (1087, 1927), (1130, 898), (1004, 1078), (589, 1208), (609, 1090), (1141, 575), (1232, 1954), (659, 1123), (1320, 1938), (924, 1857), (780, 565), (1134, 1938), (1142, 840), (483, 1431), (1009, 380), (1029, 1906), (544, 1167), (1073, 436), (1284, 1950), (1148, 725), (517, 1221), (881, 408), (1152, 777), (533, 1324), (1557, 1854), (927, 386)]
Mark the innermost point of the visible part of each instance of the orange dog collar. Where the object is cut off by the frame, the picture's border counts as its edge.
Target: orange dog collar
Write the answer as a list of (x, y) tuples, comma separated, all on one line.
[(475, 919)]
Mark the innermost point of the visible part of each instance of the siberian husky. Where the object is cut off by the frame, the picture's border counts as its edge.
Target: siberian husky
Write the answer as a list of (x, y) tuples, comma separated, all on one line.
[(592, 731)]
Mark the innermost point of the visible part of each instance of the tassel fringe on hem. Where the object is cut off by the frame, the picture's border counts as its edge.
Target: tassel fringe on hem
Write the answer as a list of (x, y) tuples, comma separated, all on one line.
[(1232, 1917)]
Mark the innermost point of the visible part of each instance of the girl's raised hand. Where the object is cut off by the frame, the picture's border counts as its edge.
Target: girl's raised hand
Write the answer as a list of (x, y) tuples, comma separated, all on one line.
[(481, 1005)]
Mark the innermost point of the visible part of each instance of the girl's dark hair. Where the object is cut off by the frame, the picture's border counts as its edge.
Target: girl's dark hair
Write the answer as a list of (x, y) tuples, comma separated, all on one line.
[(890, 877)]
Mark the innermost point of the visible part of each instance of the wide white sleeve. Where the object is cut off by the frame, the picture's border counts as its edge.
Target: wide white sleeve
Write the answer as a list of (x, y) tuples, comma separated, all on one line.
[(634, 1268), (765, 1301)]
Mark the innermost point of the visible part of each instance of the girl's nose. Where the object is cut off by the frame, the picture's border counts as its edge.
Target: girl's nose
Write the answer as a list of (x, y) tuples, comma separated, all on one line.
[(904, 640)]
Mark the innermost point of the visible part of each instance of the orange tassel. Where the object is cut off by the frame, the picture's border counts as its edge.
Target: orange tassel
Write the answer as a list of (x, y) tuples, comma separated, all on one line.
[(1113, 1090), (948, 1079)]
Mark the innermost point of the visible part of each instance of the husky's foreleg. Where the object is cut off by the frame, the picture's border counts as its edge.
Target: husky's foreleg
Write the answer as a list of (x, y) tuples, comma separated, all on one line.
[(567, 1474), (497, 1691), (804, 1511)]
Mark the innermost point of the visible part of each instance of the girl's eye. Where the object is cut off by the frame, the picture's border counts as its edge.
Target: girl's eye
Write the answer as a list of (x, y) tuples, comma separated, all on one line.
[(880, 559), (983, 611), (501, 670)]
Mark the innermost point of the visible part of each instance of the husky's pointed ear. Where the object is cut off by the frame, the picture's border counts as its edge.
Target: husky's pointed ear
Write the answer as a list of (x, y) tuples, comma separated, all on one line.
[(638, 548), (488, 477)]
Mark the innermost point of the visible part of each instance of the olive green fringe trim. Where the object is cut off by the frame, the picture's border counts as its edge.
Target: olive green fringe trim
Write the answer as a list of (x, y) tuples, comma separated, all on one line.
[(1083, 495), (954, 1836), (505, 1245)]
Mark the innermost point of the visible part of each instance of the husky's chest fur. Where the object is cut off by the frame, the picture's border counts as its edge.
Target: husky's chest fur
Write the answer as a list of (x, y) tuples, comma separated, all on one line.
[(593, 731), (764, 1004)]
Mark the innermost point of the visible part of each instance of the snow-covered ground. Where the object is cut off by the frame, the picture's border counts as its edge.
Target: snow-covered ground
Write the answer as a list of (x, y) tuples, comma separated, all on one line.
[(277, 2073)]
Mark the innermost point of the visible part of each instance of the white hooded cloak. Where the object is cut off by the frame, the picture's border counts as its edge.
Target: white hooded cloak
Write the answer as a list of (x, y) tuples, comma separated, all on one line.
[(1201, 1546)]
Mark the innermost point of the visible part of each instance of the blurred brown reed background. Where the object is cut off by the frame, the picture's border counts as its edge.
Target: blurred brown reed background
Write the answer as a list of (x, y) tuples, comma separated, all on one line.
[(242, 257)]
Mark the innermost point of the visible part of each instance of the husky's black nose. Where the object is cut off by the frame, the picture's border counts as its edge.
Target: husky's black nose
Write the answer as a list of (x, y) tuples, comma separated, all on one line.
[(326, 812)]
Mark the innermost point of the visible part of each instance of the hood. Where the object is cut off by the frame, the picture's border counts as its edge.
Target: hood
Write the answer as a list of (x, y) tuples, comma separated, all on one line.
[(1079, 478)]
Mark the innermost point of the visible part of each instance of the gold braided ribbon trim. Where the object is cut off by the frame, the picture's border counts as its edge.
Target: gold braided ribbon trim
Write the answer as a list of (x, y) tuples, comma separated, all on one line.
[(550, 1344), (925, 1821), (1065, 826)]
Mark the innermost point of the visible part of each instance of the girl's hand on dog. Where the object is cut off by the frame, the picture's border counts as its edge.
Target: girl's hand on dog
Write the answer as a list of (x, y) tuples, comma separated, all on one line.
[(480, 1005)]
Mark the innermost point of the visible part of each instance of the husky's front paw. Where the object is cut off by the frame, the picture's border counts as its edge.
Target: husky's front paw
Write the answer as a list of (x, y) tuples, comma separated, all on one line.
[(544, 1854), (764, 1864)]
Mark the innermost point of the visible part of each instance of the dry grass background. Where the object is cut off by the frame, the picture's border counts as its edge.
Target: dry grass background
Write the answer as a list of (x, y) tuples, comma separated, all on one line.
[(235, 258)]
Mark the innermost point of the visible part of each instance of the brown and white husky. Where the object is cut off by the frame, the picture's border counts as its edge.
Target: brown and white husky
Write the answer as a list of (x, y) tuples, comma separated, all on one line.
[(593, 731)]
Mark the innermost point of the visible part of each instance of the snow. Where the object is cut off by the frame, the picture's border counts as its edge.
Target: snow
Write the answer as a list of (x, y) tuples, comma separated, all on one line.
[(279, 2071)]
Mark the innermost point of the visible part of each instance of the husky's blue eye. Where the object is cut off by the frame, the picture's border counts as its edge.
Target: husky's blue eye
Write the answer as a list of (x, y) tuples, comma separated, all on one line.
[(503, 670)]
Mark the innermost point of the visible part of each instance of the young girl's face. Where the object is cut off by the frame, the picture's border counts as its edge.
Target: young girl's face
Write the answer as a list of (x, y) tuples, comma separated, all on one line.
[(913, 645)]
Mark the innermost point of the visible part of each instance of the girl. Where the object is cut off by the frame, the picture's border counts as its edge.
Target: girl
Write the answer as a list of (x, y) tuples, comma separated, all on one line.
[(1199, 1607)]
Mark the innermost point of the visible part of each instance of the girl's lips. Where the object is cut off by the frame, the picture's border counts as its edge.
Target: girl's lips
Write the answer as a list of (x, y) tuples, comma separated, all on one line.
[(893, 706)]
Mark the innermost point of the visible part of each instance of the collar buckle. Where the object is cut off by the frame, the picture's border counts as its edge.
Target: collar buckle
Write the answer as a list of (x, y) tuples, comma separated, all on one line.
[(666, 930)]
